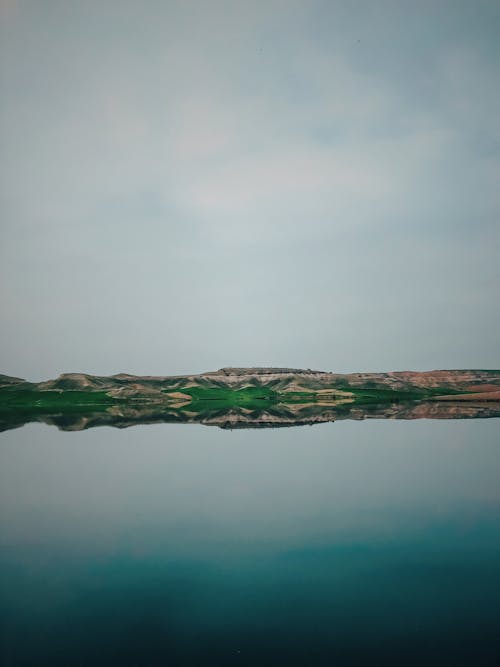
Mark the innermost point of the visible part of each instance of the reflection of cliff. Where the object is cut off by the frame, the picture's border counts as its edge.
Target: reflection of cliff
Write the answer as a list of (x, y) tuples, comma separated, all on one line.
[(279, 415)]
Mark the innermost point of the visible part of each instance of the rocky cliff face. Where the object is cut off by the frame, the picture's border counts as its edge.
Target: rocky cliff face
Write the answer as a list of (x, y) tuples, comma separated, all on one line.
[(280, 379)]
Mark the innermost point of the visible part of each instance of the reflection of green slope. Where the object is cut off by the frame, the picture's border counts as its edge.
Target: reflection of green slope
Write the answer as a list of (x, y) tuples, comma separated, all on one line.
[(247, 409)]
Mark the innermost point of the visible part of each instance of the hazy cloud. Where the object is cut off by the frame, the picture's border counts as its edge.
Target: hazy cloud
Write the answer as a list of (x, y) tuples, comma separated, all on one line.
[(189, 185)]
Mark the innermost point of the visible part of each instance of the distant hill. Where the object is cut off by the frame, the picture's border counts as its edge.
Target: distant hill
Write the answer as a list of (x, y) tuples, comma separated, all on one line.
[(281, 379)]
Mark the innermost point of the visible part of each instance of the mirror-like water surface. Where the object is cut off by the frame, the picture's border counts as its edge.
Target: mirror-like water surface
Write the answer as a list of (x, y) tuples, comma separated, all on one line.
[(346, 543)]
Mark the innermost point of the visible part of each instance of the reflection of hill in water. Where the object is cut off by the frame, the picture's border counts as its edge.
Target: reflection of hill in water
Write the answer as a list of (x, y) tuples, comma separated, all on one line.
[(274, 416)]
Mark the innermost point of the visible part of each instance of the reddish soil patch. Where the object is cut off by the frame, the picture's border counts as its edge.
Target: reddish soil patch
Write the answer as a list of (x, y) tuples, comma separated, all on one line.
[(481, 388), (479, 396)]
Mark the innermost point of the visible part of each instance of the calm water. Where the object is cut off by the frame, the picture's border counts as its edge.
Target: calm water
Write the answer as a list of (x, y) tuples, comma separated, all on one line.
[(352, 543)]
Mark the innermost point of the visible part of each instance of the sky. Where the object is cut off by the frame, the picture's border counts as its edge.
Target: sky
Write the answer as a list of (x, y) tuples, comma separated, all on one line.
[(191, 185)]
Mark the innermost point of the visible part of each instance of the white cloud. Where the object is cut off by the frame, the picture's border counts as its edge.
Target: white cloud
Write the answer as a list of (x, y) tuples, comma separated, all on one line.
[(273, 161)]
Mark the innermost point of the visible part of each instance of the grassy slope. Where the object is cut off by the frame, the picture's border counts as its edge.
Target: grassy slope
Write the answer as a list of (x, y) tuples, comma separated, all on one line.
[(265, 393), (224, 397), (21, 399)]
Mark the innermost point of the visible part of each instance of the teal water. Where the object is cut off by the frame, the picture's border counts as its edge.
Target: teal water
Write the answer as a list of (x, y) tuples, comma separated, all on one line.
[(349, 543)]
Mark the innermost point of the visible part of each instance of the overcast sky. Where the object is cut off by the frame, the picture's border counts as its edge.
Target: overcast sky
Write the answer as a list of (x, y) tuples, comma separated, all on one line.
[(187, 185)]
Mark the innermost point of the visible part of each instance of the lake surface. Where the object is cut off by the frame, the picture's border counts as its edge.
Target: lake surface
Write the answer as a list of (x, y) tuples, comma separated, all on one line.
[(348, 543)]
